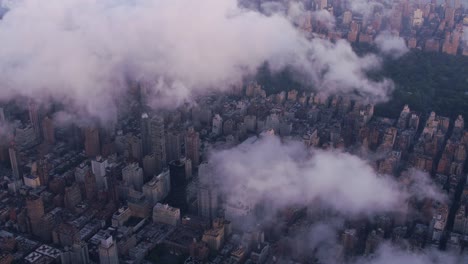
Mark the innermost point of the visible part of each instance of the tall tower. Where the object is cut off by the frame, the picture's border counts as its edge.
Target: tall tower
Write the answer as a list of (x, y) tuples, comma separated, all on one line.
[(145, 134), (158, 141), (192, 146)]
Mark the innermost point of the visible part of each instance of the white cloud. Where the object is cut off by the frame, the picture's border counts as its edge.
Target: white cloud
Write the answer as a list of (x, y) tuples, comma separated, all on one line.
[(82, 52), (284, 174), (392, 45)]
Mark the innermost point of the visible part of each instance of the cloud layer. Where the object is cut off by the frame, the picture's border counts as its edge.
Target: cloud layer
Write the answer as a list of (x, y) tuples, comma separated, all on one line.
[(283, 174), (83, 52)]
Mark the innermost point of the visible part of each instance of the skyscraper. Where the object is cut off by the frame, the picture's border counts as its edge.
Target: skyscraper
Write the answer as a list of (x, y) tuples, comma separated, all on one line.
[(90, 186), (173, 145), (192, 146), (145, 134), (35, 118), (178, 181), (92, 143), (149, 166), (14, 161), (48, 130), (158, 141)]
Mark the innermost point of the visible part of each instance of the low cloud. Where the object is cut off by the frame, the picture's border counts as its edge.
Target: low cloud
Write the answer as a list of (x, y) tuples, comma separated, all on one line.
[(391, 45), (284, 174), (388, 254), (84, 53)]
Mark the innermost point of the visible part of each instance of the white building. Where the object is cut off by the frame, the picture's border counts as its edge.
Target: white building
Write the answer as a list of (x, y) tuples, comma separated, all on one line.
[(163, 213)]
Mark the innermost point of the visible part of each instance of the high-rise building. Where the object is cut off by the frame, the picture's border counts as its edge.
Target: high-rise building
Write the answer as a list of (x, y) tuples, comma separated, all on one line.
[(173, 145), (135, 147), (418, 18), (450, 16), (90, 186), (98, 166), (149, 166), (137, 203), (14, 161), (35, 118), (321, 4), (207, 196), (77, 254), (179, 176), (43, 169), (31, 181), (35, 211), (158, 188), (108, 251), (2, 115), (80, 172), (228, 127), (217, 125), (132, 174), (347, 17), (250, 122), (158, 141), (192, 146), (48, 130), (72, 196), (145, 134), (207, 201), (92, 143)]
